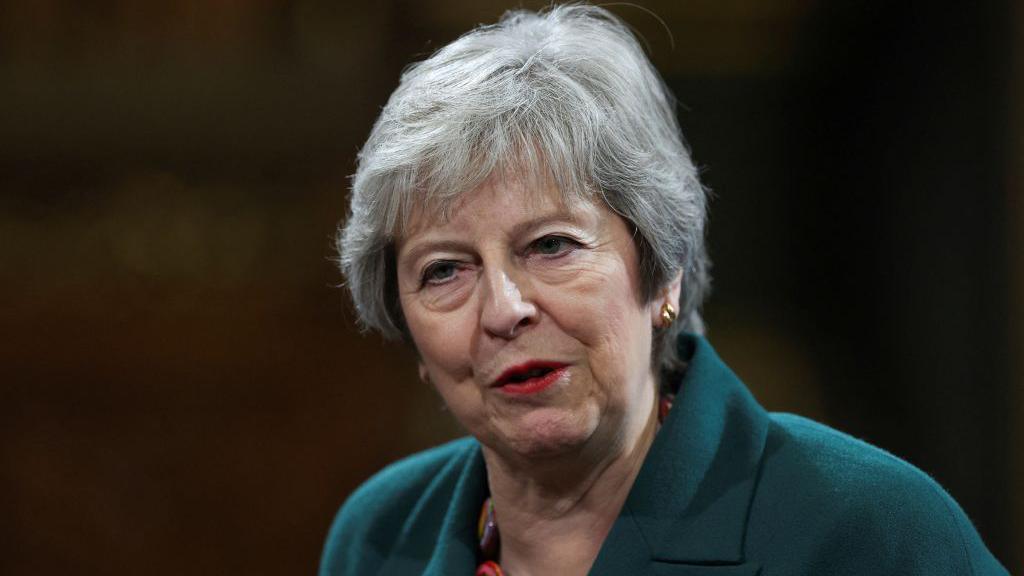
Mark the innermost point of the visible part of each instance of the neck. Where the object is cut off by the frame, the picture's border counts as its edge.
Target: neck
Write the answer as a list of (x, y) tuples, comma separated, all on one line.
[(572, 499)]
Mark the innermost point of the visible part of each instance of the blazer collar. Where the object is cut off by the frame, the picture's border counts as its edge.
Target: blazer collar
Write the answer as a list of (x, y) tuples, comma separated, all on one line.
[(686, 514), (689, 506), (439, 538)]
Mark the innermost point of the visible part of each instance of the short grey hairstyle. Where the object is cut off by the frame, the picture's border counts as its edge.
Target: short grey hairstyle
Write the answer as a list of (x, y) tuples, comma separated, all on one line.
[(566, 93)]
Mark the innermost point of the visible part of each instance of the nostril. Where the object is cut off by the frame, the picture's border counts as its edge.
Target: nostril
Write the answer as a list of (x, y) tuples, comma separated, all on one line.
[(523, 322)]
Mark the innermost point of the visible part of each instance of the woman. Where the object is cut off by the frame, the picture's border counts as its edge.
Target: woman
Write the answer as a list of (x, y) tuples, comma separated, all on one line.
[(525, 213)]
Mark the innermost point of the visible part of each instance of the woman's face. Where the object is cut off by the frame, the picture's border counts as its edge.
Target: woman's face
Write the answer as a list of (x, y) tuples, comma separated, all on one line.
[(529, 320)]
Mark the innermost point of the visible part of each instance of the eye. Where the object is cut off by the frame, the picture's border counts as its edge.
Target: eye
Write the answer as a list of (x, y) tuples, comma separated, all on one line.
[(553, 245), (439, 273)]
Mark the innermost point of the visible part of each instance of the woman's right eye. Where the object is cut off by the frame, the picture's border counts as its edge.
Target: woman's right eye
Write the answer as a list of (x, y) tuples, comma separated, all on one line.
[(439, 273)]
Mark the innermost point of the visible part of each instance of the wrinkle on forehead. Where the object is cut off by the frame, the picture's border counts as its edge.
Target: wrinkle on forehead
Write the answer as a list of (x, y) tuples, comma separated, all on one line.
[(434, 210)]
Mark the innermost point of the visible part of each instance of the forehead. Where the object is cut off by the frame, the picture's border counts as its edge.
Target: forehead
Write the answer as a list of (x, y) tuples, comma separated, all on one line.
[(501, 199)]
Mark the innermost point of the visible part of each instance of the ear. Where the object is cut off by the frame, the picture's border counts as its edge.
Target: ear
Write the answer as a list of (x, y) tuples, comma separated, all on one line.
[(668, 294), (424, 375)]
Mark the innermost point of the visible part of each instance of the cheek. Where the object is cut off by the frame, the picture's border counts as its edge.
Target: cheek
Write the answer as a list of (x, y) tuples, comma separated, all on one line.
[(604, 314), (442, 340), (627, 347), (443, 345)]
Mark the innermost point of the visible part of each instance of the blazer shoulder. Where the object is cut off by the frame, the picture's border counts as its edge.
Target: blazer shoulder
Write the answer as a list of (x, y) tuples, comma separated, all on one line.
[(840, 461), (861, 506), (373, 516)]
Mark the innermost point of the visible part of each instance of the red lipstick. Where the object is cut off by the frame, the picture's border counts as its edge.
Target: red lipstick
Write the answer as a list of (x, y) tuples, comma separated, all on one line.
[(529, 377)]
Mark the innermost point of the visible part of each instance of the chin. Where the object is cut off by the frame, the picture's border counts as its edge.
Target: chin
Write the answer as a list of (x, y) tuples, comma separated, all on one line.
[(547, 433)]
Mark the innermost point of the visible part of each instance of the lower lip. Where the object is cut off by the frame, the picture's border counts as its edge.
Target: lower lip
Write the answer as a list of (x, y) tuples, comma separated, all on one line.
[(533, 385)]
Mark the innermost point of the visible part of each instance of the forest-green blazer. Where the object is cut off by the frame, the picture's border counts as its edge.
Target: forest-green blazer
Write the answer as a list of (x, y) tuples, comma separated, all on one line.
[(727, 489)]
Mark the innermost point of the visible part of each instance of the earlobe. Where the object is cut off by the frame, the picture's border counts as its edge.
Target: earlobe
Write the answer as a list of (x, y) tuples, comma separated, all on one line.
[(665, 307), (424, 375)]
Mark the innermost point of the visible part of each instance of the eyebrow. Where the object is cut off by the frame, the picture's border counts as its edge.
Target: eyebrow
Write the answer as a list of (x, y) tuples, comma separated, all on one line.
[(560, 216), (418, 250)]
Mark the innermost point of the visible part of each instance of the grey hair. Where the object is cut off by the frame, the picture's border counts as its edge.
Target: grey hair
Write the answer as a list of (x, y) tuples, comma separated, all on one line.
[(566, 93)]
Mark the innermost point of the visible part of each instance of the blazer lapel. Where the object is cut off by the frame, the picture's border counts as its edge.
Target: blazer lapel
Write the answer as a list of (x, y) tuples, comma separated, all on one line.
[(422, 547), (457, 543), (686, 514)]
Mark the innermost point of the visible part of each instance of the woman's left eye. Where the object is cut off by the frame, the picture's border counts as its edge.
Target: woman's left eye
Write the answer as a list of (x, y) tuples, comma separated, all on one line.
[(553, 245)]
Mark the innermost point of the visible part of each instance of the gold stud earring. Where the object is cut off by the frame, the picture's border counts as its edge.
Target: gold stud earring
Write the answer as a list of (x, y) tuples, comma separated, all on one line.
[(668, 315)]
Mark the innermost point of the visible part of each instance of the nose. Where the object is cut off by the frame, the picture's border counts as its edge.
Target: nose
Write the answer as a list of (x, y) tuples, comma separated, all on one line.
[(505, 312)]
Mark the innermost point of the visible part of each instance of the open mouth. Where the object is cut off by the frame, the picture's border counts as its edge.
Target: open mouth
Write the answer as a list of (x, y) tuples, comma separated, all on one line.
[(530, 378), (524, 376)]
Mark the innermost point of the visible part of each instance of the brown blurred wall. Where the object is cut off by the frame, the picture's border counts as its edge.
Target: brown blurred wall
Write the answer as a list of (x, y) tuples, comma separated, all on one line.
[(183, 387), (1015, 205)]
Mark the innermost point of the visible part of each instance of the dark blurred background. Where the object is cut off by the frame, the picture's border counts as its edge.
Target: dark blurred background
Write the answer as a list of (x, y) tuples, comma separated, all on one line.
[(182, 386)]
